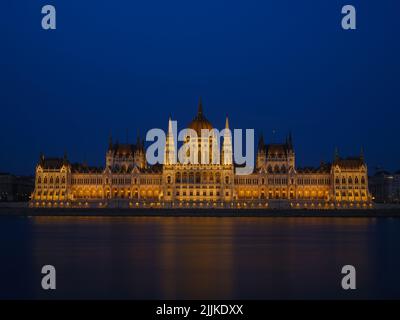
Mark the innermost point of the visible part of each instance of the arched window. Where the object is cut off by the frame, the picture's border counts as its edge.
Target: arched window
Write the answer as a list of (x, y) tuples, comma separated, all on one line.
[(185, 178), (191, 177), (337, 181), (276, 169), (227, 179), (211, 177), (51, 180), (344, 180), (39, 180), (218, 177), (269, 169), (178, 177), (169, 179), (198, 179), (350, 180), (363, 180), (262, 181), (63, 180), (283, 169), (57, 180), (356, 180)]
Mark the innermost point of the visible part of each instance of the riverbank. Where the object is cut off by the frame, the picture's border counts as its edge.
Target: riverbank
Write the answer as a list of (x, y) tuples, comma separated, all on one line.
[(109, 212)]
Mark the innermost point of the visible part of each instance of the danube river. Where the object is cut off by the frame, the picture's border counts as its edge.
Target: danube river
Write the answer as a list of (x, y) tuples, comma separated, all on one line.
[(199, 257)]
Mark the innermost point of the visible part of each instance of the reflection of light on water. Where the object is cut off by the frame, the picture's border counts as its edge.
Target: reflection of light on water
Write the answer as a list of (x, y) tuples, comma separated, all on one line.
[(199, 255), (206, 257), (173, 220)]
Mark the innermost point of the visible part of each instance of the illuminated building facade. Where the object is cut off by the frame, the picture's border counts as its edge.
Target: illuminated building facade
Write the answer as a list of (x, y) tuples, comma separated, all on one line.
[(128, 181)]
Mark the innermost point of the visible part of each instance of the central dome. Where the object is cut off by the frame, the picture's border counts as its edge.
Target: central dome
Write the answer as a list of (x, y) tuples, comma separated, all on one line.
[(200, 122)]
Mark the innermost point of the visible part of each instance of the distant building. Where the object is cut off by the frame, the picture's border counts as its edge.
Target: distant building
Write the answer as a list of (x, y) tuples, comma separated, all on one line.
[(385, 187), (127, 180), (396, 187), (15, 188)]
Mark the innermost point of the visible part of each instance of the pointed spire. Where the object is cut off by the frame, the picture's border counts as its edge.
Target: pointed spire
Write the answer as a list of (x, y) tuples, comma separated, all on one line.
[(336, 154), (65, 158), (170, 126), (261, 143), (227, 149), (290, 140), (362, 153), (110, 143), (200, 109), (138, 138), (170, 156)]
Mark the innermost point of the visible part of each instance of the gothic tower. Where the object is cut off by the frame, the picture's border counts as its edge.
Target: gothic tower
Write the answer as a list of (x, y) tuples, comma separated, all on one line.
[(227, 150)]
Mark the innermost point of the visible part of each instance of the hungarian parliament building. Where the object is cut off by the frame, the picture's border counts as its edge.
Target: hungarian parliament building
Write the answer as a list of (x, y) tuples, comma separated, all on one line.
[(128, 181)]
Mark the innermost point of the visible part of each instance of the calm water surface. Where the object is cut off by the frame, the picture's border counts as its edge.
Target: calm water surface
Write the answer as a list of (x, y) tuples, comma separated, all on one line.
[(199, 258)]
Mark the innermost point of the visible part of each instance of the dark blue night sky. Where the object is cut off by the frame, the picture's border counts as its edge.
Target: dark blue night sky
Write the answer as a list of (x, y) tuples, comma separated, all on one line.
[(271, 65)]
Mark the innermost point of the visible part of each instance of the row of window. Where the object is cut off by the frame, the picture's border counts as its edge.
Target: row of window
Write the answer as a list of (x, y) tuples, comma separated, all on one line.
[(276, 181), (349, 194), (56, 186), (246, 181), (350, 180), (344, 187), (283, 195), (149, 181), (198, 193), (277, 169), (51, 180), (116, 181), (197, 177), (308, 181), (277, 156), (121, 180), (197, 187), (50, 193), (87, 180)]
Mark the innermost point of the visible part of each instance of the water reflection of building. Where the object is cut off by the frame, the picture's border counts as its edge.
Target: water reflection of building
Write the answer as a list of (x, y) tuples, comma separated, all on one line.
[(128, 181)]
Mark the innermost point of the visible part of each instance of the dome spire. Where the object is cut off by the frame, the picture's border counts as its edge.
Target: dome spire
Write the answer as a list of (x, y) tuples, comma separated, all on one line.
[(200, 109), (200, 122)]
